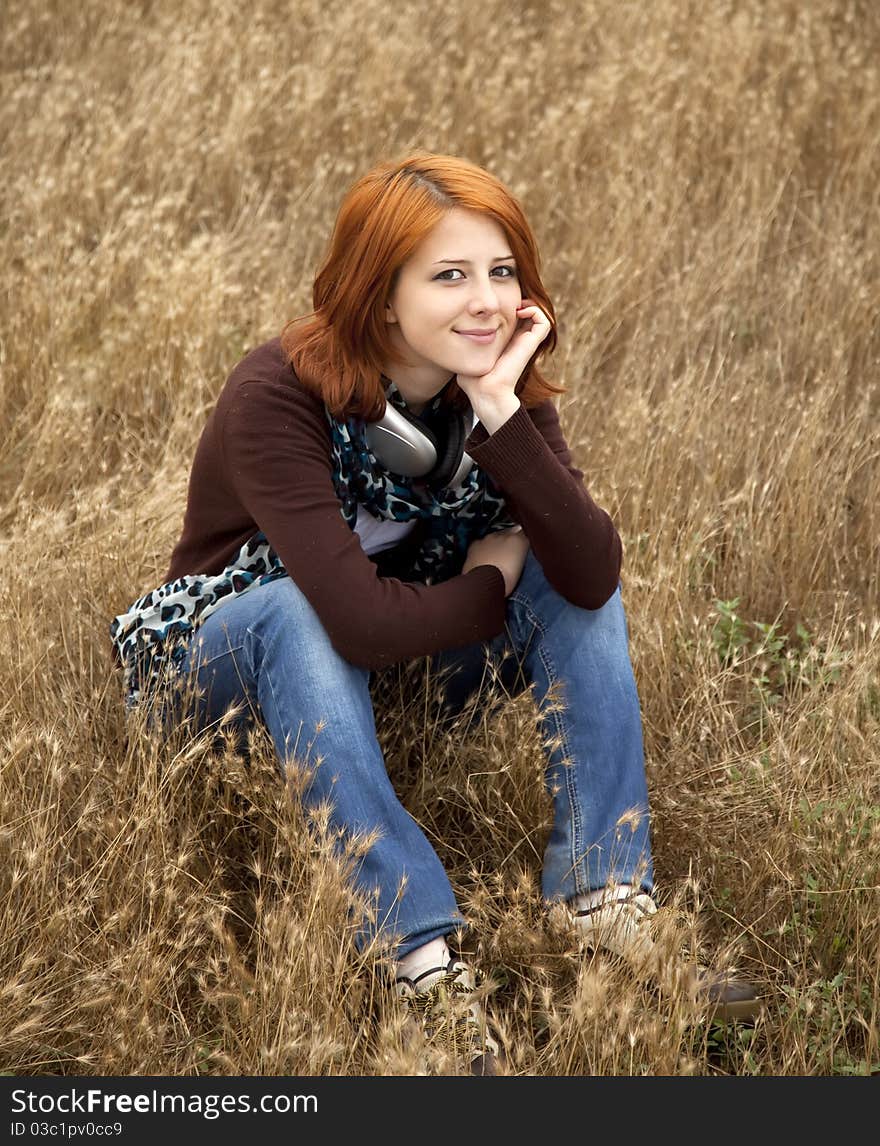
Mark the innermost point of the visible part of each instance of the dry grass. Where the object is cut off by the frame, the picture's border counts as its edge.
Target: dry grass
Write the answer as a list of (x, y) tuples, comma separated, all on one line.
[(703, 180)]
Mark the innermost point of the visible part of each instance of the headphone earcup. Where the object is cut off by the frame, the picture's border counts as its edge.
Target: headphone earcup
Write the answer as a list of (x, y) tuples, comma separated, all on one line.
[(419, 429), (430, 447), (401, 442), (449, 453)]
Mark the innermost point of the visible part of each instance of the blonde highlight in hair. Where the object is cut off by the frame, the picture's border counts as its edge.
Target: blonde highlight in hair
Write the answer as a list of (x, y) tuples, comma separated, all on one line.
[(339, 350)]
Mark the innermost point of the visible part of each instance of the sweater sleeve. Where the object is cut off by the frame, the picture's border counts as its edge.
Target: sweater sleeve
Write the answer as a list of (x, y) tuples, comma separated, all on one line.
[(574, 540), (277, 460)]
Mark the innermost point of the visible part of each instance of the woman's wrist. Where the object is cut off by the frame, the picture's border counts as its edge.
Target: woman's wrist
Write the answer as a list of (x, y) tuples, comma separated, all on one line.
[(494, 412)]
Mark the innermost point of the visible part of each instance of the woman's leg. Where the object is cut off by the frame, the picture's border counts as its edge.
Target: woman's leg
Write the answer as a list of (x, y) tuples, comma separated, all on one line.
[(595, 769), (482, 675), (268, 650), (596, 773)]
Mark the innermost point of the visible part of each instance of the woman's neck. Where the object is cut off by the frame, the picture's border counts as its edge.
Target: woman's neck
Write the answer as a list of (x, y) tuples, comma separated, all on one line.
[(414, 396)]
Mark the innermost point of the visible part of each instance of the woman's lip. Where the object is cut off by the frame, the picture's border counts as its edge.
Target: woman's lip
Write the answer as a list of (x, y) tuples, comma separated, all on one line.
[(478, 337)]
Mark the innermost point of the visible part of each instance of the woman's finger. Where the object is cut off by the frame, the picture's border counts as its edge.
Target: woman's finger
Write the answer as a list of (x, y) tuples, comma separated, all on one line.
[(540, 321)]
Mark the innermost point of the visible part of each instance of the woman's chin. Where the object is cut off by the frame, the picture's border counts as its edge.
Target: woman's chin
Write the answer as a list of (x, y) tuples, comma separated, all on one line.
[(475, 366)]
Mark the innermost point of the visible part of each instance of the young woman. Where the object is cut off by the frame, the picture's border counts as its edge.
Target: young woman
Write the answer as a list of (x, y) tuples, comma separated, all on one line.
[(389, 480)]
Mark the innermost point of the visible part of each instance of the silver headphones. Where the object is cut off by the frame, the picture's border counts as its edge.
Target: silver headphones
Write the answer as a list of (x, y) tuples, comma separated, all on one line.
[(430, 446)]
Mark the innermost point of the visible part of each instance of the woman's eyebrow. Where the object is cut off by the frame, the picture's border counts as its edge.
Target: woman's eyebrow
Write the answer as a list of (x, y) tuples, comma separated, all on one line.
[(467, 262)]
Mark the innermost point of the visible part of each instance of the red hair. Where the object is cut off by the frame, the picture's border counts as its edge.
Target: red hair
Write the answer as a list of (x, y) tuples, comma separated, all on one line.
[(339, 350)]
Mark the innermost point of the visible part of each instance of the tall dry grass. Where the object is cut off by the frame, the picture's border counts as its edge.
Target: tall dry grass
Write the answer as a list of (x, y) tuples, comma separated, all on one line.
[(703, 180)]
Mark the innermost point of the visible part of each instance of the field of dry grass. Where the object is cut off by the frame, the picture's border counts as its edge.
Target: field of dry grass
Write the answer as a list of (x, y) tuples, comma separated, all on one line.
[(704, 181)]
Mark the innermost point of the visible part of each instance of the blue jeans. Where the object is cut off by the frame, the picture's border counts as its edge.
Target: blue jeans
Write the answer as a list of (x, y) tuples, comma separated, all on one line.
[(268, 649)]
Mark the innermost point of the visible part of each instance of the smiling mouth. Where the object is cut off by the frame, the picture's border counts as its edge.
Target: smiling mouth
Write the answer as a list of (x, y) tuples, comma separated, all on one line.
[(478, 336)]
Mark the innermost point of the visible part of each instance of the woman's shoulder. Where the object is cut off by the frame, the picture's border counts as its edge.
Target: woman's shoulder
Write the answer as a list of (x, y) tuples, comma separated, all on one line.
[(264, 385), (267, 363), (263, 398)]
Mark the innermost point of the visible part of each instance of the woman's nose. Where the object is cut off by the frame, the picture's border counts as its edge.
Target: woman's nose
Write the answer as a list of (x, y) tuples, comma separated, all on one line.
[(483, 298)]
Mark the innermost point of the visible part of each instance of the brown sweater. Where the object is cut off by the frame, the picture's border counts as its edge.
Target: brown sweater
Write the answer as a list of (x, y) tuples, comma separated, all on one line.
[(264, 462)]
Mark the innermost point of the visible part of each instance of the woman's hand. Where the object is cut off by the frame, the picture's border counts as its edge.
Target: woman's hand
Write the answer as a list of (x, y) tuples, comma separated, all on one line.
[(506, 549), (498, 386)]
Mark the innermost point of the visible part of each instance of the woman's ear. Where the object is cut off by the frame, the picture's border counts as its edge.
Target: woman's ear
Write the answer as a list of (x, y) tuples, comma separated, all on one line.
[(390, 316)]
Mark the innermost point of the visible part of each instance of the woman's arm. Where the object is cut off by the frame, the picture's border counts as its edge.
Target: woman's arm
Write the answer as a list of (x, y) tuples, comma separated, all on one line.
[(526, 455), (574, 540)]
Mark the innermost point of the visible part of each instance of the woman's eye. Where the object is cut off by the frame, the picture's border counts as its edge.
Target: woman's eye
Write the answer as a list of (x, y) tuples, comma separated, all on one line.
[(508, 273)]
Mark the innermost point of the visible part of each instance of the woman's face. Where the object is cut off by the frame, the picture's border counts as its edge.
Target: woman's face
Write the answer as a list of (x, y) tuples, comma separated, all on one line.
[(461, 278)]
